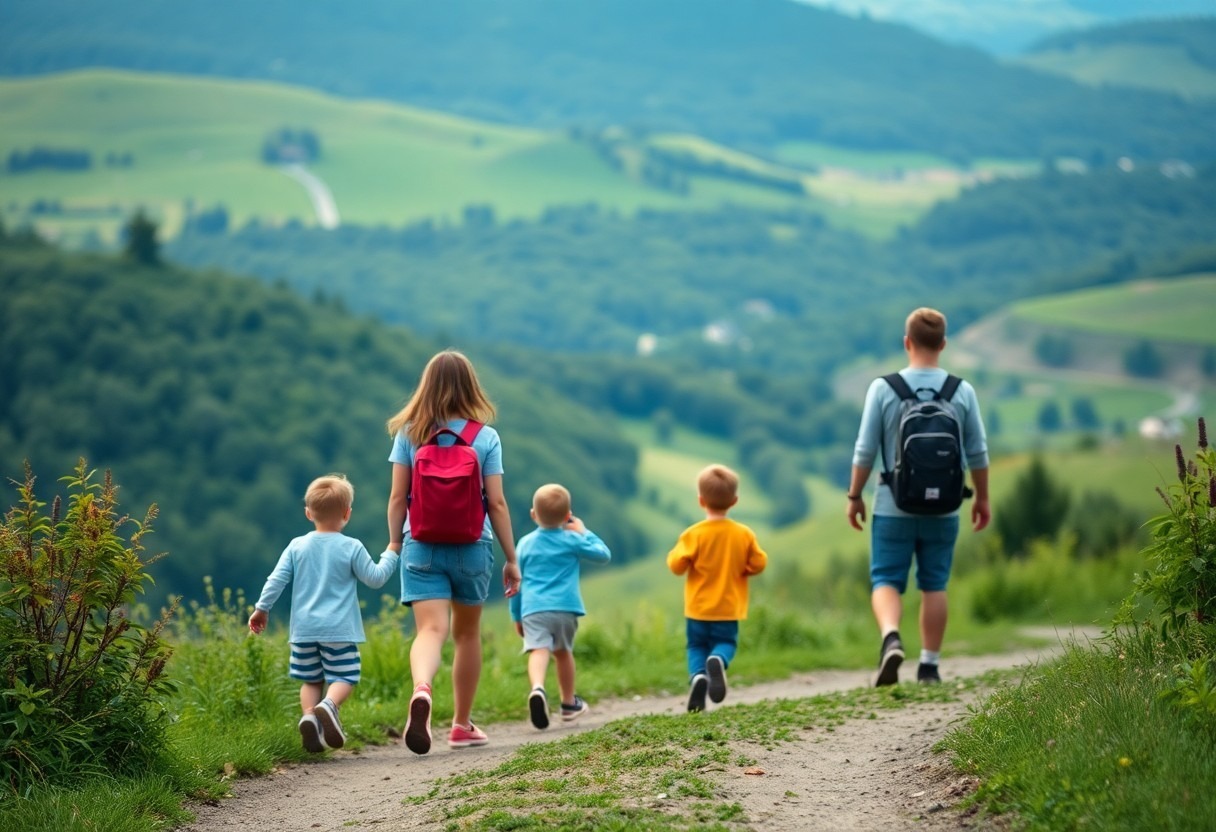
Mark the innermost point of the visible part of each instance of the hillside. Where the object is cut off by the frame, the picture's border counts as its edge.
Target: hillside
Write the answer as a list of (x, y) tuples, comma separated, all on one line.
[(220, 398), (751, 74), (1176, 56)]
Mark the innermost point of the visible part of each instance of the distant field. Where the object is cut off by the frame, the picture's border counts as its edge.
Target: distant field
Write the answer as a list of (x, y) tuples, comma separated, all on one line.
[(1165, 67), (1178, 309), (197, 142)]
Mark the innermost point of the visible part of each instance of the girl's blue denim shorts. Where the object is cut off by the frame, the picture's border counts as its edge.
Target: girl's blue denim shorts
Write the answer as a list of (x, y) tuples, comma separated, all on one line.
[(458, 572)]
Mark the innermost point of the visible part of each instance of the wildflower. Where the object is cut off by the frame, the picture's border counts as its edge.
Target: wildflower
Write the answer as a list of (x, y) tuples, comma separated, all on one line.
[(1192, 468), (1166, 499), (1203, 434), (1181, 463), (1125, 761), (1212, 492), (56, 507)]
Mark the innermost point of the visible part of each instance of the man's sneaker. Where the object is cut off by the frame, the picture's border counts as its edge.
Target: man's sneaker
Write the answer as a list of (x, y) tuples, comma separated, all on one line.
[(331, 726), (891, 657), (696, 693), (575, 709), (927, 674), (715, 668), (538, 708), (463, 736), (418, 723), (310, 733)]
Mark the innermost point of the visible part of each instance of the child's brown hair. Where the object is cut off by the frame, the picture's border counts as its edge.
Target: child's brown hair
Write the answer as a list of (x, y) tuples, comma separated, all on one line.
[(926, 328), (448, 389), (551, 503), (718, 487), (328, 498)]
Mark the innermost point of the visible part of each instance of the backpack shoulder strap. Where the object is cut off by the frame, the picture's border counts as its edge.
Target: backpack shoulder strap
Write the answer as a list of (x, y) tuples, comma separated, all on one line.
[(470, 431), (949, 388), (897, 383)]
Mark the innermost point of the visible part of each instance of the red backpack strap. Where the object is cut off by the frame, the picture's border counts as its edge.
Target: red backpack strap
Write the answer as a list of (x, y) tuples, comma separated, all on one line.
[(470, 431)]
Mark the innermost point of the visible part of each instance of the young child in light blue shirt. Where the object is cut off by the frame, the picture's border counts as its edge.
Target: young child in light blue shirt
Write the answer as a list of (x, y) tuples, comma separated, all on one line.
[(323, 568), (548, 605)]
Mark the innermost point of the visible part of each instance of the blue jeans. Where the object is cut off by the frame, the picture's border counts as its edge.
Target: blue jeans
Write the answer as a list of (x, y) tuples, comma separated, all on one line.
[(457, 572), (895, 540), (710, 638)]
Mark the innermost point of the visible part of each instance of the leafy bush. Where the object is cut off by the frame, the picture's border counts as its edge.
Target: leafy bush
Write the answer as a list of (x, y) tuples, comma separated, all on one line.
[(82, 687), (1181, 578)]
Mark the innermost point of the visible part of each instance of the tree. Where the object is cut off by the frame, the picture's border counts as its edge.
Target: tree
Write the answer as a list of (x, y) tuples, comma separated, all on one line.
[(992, 424), (1034, 511), (1053, 350), (141, 243), (1207, 362), (1050, 420), (1084, 414), (1143, 360)]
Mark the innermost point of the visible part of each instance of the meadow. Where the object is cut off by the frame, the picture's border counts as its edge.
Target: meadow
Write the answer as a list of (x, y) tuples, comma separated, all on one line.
[(194, 144), (1167, 67)]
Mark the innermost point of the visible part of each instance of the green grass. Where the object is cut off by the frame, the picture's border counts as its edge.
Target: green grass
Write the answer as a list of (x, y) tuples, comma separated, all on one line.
[(1175, 310), (1089, 743), (652, 772), (1165, 67)]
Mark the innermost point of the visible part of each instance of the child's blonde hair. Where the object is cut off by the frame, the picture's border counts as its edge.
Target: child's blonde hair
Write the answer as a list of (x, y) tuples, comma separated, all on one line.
[(926, 328), (551, 503), (448, 389), (328, 497), (718, 487)]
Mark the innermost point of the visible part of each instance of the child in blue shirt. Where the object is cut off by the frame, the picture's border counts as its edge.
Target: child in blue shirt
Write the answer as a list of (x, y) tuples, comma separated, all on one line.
[(326, 626), (547, 607)]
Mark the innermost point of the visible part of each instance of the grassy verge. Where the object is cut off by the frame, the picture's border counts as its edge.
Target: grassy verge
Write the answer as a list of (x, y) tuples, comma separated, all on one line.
[(1092, 743), (652, 772)]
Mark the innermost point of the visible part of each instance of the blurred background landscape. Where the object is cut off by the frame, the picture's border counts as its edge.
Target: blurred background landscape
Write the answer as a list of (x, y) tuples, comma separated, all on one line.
[(667, 233)]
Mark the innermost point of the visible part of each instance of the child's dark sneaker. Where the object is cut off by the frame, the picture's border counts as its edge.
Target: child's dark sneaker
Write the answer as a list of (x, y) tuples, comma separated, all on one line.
[(696, 693), (575, 709), (331, 726), (927, 674), (463, 736), (310, 734), (418, 724), (890, 658), (538, 708), (715, 668)]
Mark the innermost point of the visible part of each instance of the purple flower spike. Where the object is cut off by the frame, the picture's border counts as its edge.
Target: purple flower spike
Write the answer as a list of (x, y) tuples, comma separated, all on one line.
[(1181, 460), (1192, 468), (1166, 499), (1203, 434), (1212, 492)]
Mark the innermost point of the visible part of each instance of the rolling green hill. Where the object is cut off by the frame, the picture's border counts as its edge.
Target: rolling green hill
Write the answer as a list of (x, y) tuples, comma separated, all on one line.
[(195, 143), (221, 398), (1176, 56), (749, 74)]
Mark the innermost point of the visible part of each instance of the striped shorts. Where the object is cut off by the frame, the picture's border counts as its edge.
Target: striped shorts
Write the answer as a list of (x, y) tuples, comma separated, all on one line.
[(331, 661)]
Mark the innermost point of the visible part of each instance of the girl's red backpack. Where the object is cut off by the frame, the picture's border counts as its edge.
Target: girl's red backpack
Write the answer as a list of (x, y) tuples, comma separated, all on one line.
[(447, 502)]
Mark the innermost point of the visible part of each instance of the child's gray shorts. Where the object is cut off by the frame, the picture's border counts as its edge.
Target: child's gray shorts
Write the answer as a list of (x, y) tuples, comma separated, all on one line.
[(550, 631)]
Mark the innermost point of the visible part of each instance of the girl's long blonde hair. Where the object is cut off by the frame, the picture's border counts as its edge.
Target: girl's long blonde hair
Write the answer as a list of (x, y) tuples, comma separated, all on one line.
[(448, 389)]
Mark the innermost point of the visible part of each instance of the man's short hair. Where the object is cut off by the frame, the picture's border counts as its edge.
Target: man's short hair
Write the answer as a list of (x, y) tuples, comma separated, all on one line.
[(718, 487), (328, 497), (551, 502), (926, 328)]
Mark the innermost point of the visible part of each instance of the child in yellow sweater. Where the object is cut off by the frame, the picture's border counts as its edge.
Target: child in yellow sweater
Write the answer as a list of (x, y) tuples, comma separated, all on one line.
[(718, 555)]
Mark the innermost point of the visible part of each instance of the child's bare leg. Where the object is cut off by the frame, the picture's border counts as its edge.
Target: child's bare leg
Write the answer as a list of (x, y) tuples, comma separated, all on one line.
[(538, 666), (564, 659), (310, 696), (338, 692)]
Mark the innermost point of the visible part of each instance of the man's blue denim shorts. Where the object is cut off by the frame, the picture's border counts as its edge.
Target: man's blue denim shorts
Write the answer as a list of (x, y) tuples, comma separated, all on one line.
[(458, 572), (895, 540)]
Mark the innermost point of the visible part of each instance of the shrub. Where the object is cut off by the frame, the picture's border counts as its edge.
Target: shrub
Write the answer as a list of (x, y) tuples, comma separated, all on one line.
[(81, 685)]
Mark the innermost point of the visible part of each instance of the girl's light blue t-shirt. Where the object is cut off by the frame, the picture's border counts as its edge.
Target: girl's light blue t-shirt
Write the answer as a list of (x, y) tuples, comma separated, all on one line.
[(880, 422), (486, 444)]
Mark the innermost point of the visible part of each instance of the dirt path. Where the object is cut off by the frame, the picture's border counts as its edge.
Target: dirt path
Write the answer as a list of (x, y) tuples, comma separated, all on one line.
[(867, 774)]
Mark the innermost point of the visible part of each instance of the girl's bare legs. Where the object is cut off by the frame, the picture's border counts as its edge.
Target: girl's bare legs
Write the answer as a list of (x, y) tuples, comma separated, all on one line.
[(564, 659), (431, 631), (466, 664)]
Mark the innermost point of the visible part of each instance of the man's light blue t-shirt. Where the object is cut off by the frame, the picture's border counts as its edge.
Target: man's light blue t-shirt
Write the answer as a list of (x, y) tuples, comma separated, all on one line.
[(323, 568), (880, 421), (486, 444)]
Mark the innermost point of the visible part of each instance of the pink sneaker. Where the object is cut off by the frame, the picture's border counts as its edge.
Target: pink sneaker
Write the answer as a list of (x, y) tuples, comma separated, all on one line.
[(418, 723), (463, 737)]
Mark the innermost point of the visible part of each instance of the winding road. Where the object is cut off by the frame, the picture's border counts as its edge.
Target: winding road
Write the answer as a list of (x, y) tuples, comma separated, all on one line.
[(322, 198)]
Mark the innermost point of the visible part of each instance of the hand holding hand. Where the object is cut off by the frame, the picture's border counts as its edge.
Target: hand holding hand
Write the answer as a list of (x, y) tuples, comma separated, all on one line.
[(394, 547), (258, 621)]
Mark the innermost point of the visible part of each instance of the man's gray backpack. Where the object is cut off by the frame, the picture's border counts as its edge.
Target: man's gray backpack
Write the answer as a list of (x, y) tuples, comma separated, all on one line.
[(928, 475)]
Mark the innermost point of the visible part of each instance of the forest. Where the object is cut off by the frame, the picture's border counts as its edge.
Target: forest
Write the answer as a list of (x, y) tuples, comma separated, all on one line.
[(220, 399), (750, 74)]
